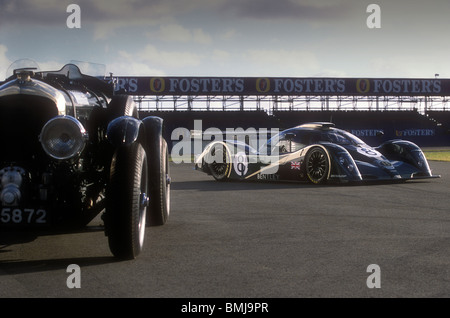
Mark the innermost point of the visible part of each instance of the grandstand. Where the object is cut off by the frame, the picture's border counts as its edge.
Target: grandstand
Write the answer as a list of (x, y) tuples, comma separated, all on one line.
[(412, 109)]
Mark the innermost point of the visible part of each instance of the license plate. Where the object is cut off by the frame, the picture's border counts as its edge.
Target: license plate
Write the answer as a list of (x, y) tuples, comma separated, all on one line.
[(13, 215)]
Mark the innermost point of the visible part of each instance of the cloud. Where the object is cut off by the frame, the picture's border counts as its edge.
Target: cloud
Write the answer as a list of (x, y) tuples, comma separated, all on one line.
[(220, 56), (178, 33), (128, 64), (121, 68), (169, 59), (283, 62), (229, 34), (102, 17), (24, 13), (265, 37), (113, 14), (289, 9), (409, 66), (49, 12), (199, 36), (4, 62)]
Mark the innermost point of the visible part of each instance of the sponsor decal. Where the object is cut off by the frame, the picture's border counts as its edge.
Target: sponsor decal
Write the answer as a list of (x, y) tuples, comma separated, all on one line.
[(295, 165), (366, 132), (240, 164), (308, 85), (262, 85), (157, 84), (205, 85), (368, 152), (263, 176), (415, 133), (281, 86), (341, 176), (406, 86), (362, 85), (127, 84), (387, 165)]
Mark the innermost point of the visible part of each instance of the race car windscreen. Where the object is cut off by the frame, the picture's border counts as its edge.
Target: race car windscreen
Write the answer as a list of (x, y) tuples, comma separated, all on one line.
[(342, 137)]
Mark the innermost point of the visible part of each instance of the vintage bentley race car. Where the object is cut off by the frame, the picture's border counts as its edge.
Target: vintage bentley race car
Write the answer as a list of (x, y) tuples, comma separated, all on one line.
[(73, 150), (314, 152)]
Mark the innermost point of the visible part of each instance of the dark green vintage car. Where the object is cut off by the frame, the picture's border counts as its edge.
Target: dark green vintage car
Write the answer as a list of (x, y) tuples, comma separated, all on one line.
[(72, 149)]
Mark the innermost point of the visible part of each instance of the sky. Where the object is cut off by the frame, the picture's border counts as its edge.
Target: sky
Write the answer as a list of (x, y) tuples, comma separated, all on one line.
[(283, 38)]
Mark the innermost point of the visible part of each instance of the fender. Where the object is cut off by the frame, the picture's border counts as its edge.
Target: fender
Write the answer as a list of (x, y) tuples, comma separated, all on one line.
[(239, 145), (342, 162), (124, 130), (406, 151), (153, 135), (397, 143), (153, 127)]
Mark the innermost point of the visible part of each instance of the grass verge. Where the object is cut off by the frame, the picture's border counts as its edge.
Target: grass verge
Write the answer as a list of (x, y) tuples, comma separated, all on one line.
[(437, 155)]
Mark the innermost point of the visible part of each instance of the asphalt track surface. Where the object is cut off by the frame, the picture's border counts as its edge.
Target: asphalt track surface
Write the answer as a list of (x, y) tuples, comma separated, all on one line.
[(253, 240)]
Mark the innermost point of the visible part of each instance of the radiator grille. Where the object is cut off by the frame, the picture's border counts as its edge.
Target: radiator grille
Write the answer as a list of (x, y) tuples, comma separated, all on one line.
[(21, 120)]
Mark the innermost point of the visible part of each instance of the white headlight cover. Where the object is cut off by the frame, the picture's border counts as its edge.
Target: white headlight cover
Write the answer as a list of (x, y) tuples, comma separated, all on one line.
[(63, 137)]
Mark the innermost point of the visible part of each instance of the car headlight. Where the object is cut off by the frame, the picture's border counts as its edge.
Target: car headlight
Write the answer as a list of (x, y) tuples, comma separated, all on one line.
[(345, 162), (63, 137)]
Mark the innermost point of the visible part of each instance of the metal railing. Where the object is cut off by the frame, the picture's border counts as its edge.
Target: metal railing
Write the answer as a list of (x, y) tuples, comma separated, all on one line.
[(269, 104)]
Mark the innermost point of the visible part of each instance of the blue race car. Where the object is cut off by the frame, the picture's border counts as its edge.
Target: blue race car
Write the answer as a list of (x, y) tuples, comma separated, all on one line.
[(314, 152)]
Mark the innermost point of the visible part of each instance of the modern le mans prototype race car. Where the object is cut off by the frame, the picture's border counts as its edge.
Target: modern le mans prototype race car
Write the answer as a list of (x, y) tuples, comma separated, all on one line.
[(314, 152), (73, 150)]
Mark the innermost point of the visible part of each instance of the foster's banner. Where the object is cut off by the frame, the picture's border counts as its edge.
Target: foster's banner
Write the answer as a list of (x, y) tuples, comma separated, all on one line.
[(281, 86)]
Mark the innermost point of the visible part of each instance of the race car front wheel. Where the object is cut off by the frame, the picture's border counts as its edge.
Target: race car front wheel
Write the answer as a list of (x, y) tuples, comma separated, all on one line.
[(127, 201), (317, 165), (218, 162)]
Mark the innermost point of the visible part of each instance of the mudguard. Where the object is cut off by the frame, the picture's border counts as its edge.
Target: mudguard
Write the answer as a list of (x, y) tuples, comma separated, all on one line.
[(124, 130), (343, 166), (153, 127), (158, 170), (241, 146), (406, 151)]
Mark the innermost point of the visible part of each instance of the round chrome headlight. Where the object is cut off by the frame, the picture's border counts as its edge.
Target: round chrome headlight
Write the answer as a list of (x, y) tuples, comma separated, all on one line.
[(63, 137)]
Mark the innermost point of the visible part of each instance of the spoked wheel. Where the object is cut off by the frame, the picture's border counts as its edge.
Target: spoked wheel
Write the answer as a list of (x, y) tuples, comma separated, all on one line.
[(317, 165), (159, 185), (127, 201), (122, 105), (218, 162)]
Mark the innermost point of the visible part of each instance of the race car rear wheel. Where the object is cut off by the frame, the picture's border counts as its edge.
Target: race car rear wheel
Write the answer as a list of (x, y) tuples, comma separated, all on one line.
[(218, 162), (127, 201), (317, 165)]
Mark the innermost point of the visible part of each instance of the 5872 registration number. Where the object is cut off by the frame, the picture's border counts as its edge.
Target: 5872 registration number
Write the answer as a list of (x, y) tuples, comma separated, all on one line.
[(23, 216)]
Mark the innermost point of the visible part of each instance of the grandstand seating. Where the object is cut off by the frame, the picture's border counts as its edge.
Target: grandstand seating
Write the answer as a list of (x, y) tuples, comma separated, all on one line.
[(426, 130), (441, 117)]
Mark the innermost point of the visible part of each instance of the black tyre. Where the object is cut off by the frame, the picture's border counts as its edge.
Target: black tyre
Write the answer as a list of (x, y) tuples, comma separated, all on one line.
[(317, 165), (159, 175), (127, 201), (218, 162), (122, 105)]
